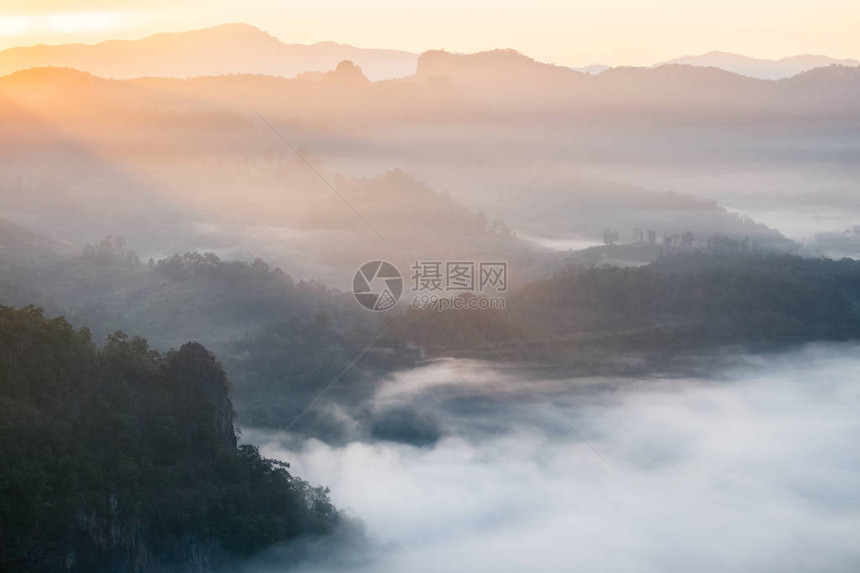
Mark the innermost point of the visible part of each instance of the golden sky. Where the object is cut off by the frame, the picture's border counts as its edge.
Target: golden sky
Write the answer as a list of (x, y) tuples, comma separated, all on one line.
[(571, 32)]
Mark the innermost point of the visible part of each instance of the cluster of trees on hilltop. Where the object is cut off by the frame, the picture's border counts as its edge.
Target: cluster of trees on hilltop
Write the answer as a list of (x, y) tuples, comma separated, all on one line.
[(111, 251), (687, 239), (124, 458), (209, 264), (174, 299)]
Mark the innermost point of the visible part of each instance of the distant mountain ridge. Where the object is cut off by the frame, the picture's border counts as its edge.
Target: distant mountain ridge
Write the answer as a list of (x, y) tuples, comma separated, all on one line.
[(220, 50), (489, 83), (506, 78), (488, 67), (759, 67), (16, 242), (244, 49)]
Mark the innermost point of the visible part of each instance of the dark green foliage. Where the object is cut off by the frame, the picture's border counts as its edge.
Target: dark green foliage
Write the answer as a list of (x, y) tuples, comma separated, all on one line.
[(192, 296), (107, 453), (725, 295)]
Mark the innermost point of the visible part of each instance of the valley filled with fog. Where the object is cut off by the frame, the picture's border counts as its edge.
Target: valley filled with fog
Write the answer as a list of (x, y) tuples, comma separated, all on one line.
[(754, 467)]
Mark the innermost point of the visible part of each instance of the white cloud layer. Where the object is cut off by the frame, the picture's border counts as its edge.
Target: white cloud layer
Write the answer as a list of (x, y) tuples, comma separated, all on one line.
[(756, 471)]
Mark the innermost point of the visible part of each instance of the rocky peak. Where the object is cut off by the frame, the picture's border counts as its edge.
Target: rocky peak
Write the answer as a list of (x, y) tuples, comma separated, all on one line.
[(205, 389)]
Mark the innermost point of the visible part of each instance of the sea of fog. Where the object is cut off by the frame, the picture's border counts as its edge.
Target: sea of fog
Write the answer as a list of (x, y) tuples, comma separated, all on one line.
[(752, 469)]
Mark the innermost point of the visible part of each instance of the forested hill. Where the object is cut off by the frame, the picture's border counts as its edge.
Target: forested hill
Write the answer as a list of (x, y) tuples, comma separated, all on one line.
[(679, 303), (123, 458)]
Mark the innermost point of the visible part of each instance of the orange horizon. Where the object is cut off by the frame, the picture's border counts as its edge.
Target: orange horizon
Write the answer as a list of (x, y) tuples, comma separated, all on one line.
[(619, 32)]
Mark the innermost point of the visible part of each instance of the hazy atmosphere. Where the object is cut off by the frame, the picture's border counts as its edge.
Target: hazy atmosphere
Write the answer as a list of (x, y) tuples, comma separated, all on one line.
[(429, 286)]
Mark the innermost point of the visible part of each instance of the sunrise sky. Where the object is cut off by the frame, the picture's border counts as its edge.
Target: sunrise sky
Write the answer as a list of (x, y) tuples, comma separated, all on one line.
[(566, 32)]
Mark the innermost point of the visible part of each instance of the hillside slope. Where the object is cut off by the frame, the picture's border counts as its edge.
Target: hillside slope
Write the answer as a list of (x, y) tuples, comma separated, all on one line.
[(124, 459)]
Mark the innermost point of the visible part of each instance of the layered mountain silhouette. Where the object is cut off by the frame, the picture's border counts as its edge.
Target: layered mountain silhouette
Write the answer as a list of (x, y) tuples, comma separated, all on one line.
[(488, 66), (225, 49), (506, 77), (244, 49), (451, 109), (444, 85), (762, 68)]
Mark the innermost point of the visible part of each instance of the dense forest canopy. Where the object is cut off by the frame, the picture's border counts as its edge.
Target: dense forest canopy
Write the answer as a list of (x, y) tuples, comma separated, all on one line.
[(722, 295), (115, 456)]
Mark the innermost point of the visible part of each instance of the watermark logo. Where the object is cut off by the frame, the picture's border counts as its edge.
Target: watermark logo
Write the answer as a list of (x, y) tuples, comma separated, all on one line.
[(377, 285), (459, 276), (439, 285)]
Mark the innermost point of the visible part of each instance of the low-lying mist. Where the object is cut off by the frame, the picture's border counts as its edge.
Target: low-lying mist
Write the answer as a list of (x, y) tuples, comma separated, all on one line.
[(754, 468)]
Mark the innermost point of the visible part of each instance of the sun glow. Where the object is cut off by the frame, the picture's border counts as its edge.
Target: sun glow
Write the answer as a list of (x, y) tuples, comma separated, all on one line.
[(566, 32), (77, 22), (15, 25), (61, 23)]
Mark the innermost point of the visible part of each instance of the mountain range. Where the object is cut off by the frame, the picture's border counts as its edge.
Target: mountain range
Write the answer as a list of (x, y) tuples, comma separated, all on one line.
[(225, 49), (762, 68), (245, 49)]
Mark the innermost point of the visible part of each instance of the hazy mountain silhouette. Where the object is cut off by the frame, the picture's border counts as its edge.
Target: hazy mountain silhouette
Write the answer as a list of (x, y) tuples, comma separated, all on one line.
[(242, 48), (445, 85), (459, 111), (510, 77), (507, 77), (16, 242), (225, 49), (762, 68), (494, 69)]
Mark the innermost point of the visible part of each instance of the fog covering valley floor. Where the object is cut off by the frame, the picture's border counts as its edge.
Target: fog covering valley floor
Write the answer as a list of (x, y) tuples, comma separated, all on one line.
[(755, 468)]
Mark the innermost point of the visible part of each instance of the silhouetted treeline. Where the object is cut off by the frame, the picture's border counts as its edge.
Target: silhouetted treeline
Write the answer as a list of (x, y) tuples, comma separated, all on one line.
[(724, 296), (111, 251), (184, 296), (123, 458)]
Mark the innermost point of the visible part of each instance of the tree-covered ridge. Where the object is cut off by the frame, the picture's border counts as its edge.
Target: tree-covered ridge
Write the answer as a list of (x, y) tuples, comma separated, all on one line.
[(727, 297), (685, 301), (280, 339), (120, 458), (178, 298)]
